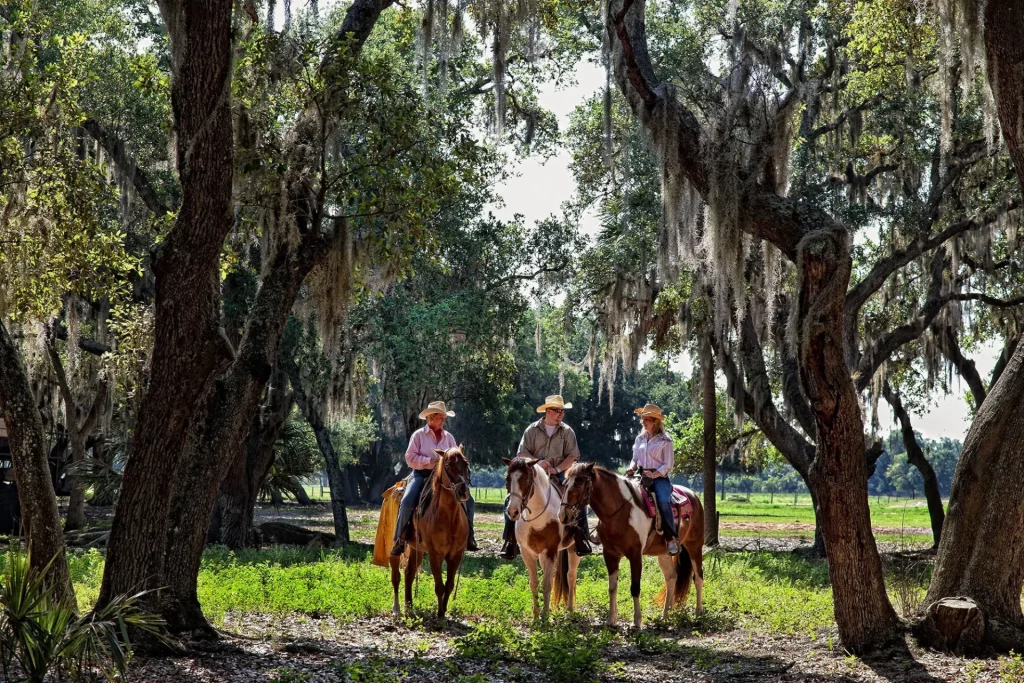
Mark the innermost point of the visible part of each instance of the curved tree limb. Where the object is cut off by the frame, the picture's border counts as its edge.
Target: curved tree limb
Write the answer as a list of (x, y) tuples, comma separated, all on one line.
[(115, 149)]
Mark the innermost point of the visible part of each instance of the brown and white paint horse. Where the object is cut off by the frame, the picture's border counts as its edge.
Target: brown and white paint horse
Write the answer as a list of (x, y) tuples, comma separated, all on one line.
[(626, 531), (533, 505), (440, 533)]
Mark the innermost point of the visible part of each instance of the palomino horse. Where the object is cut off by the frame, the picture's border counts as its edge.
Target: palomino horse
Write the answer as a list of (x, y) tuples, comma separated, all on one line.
[(533, 505), (440, 532), (626, 531)]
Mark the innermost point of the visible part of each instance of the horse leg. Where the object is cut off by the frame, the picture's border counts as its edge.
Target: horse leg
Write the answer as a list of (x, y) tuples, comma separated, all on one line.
[(396, 580), (453, 563), (435, 569), (574, 563), (412, 566), (636, 565), (612, 564), (547, 564), (531, 567), (668, 570)]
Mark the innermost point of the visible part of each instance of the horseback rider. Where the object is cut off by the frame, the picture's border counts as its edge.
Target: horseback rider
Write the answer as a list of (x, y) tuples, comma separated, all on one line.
[(653, 457), (421, 457), (553, 443)]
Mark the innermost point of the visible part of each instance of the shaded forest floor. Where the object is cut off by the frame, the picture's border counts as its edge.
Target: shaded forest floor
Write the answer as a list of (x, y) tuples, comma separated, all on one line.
[(295, 615)]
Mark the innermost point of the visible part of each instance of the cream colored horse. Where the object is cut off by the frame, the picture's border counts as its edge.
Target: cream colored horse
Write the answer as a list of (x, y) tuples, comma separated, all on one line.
[(533, 505)]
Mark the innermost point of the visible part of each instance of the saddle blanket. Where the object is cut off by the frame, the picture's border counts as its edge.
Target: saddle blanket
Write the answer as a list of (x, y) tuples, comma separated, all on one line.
[(681, 505)]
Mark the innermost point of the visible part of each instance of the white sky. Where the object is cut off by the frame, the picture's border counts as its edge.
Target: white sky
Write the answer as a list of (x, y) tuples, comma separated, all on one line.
[(538, 189)]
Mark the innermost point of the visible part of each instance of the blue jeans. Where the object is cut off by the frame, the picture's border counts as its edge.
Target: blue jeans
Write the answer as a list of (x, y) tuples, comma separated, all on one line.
[(412, 498), (510, 526), (662, 487)]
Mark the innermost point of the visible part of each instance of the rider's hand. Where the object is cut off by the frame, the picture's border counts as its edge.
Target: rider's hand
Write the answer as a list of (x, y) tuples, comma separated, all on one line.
[(546, 466)]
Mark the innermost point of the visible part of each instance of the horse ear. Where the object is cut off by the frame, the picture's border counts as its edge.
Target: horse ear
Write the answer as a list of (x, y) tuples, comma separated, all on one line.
[(531, 461), (506, 461), (588, 466), (439, 452)]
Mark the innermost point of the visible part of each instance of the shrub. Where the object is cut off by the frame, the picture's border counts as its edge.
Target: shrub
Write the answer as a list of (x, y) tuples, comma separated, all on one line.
[(41, 635)]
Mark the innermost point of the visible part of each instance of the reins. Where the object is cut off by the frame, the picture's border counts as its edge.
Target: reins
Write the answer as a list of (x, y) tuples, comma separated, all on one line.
[(525, 500)]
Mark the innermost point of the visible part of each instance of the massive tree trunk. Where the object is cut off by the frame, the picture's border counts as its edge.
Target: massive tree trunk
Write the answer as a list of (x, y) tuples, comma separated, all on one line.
[(981, 554), (39, 512), (710, 409), (915, 456), (312, 411), (218, 440), (838, 475), (189, 348)]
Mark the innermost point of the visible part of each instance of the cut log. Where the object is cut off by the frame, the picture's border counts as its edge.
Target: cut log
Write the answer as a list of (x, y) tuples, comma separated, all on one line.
[(952, 625), (290, 534)]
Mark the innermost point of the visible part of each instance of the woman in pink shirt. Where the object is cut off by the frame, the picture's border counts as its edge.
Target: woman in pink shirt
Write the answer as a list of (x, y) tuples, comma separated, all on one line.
[(420, 456), (653, 456)]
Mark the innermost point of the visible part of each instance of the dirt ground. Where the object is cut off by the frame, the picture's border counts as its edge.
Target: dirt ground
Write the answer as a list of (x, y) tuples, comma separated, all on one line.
[(293, 649)]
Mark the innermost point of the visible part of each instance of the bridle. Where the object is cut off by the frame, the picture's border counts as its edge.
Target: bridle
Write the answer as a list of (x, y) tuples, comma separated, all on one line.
[(454, 483), (573, 511), (524, 500)]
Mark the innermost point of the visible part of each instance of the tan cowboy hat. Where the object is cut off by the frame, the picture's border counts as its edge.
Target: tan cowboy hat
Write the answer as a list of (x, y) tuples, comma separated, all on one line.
[(650, 410), (554, 402), (436, 408)]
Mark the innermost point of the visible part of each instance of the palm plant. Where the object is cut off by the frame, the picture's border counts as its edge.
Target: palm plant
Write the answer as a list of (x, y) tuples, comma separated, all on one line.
[(40, 635)]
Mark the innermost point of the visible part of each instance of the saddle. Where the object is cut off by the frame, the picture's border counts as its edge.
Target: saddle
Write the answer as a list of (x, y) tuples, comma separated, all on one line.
[(682, 508)]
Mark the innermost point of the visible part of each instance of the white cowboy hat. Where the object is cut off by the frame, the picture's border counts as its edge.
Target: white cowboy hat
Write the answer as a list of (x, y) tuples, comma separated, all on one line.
[(554, 402), (436, 408), (650, 410)]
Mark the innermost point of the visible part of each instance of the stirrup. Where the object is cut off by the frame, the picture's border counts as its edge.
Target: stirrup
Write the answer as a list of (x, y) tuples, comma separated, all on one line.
[(398, 549), (672, 543)]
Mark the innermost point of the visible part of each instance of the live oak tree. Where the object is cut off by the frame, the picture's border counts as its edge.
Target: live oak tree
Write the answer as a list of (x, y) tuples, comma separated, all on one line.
[(980, 552), (778, 225)]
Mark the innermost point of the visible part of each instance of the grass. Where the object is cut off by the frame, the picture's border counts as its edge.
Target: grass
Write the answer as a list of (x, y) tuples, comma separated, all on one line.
[(781, 593)]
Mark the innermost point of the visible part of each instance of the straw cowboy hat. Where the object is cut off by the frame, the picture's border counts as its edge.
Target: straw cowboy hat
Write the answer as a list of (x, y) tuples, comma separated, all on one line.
[(436, 408), (650, 410), (554, 402)]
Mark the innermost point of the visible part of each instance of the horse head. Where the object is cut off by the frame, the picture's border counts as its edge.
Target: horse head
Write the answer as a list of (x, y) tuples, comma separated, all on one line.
[(520, 481), (454, 467), (579, 483)]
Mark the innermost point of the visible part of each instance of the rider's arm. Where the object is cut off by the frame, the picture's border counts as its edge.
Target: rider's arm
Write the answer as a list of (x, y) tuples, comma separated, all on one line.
[(571, 451), (414, 454), (524, 451), (667, 456)]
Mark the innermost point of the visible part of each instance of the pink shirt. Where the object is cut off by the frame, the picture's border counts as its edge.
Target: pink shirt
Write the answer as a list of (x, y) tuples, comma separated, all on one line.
[(656, 454), (420, 454)]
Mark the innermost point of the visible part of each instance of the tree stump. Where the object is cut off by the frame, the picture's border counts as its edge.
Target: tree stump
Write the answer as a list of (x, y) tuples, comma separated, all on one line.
[(952, 625)]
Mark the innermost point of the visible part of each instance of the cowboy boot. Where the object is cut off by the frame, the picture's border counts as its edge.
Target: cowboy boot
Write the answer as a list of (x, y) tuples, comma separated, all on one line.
[(510, 550), (582, 545)]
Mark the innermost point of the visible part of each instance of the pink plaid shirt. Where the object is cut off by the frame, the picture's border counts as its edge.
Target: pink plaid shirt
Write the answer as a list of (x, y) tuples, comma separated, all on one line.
[(420, 454)]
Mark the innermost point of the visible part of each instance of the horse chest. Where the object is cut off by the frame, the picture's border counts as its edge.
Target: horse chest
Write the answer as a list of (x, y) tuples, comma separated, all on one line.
[(541, 538)]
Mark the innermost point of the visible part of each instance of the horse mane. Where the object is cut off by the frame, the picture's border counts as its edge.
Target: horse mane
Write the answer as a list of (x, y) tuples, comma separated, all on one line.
[(435, 481)]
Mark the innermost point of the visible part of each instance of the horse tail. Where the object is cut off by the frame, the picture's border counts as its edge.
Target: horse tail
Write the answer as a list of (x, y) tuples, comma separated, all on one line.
[(561, 583), (684, 575)]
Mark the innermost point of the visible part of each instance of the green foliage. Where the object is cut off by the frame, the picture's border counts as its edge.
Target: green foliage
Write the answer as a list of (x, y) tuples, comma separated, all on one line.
[(562, 649), (1012, 668), (42, 635)]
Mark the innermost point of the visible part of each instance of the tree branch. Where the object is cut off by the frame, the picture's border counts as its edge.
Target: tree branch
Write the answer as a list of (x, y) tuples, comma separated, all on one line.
[(873, 281), (759, 404), (950, 347), (116, 150), (841, 119)]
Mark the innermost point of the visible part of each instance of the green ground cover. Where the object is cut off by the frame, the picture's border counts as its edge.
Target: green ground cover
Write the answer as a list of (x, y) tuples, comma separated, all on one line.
[(780, 592)]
